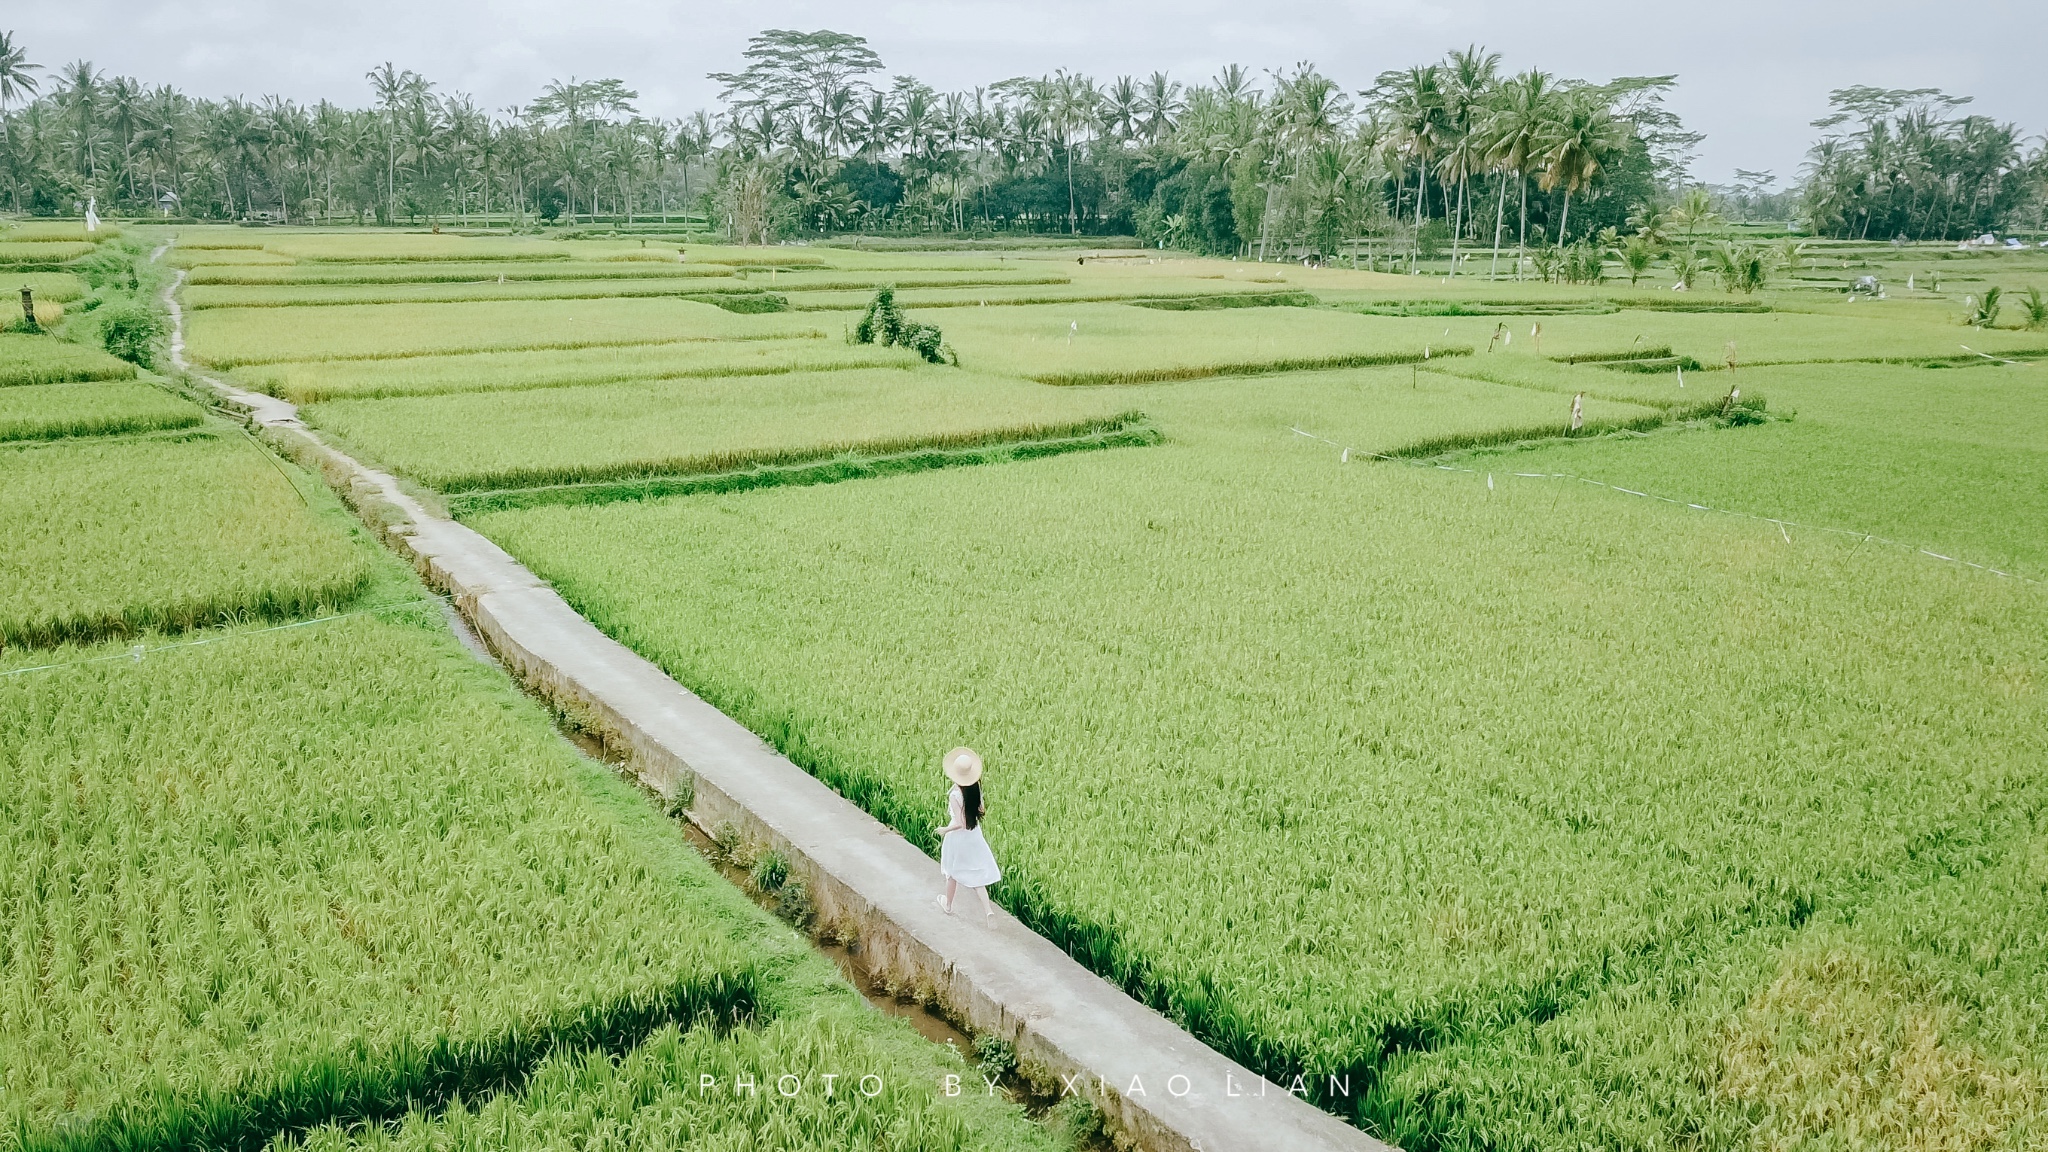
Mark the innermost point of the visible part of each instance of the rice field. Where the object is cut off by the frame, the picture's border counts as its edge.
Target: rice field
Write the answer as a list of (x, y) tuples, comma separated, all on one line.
[(345, 875), (27, 359), (312, 381), (680, 427), (1438, 814), (37, 253), (231, 337), (53, 411), (281, 863), (1553, 814), (193, 529)]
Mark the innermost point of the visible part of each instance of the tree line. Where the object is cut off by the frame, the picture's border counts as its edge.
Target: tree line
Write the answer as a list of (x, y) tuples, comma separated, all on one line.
[(811, 137)]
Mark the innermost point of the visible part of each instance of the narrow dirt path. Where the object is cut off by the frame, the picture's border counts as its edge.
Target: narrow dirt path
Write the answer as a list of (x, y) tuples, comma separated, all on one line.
[(1156, 1083)]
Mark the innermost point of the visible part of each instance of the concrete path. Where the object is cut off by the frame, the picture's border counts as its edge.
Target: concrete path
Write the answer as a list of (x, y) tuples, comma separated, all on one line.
[(1156, 1083)]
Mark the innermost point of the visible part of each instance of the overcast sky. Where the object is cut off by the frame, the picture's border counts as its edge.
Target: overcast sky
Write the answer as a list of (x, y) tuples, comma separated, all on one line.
[(1751, 74)]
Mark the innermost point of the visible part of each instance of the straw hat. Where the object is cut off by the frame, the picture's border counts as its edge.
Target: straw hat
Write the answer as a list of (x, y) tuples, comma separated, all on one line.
[(963, 766)]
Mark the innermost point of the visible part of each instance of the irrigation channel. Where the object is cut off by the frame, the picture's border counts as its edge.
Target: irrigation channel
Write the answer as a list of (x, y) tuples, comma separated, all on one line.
[(1157, 1086)]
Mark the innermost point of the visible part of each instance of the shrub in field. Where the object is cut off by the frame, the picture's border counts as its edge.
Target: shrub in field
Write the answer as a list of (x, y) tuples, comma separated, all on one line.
[(1636, 256), (1985, 314), (132, 332), (1742, 268), (745, 303), (885, 324), (1686, 265), (2036, 307)]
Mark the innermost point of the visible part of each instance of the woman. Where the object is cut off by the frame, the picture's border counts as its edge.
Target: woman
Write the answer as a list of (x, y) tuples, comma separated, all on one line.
[(964, 857)]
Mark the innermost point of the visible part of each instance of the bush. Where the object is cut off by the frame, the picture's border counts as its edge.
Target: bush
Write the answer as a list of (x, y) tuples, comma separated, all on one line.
[(2036, 307), (885, 324), (131, 332), (1433, 239), (1986, 314)]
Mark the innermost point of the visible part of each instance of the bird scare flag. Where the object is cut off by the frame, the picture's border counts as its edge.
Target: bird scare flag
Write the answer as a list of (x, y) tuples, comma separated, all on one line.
[(92, 214)]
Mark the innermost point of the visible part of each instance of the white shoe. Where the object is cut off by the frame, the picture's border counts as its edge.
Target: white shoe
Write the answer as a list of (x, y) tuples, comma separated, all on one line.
[(941, 902)]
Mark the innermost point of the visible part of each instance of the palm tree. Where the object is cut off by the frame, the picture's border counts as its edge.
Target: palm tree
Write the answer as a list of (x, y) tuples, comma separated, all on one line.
[(1068, 101), (80, 99), (1694, 212), (1160, 106), (395, 90), (1473, 74), (1514, 133), (17, 81), (1414, 101), (1307, 112), (1576, 147), (1637, 255), (1121, 109)]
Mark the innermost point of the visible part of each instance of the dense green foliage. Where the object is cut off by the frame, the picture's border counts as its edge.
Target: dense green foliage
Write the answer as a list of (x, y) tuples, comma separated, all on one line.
[(1901, 162), (884, 324)]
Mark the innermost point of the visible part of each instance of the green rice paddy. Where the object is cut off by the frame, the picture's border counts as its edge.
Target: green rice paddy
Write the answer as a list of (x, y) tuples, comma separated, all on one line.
[(1697, 806), (282, 864)]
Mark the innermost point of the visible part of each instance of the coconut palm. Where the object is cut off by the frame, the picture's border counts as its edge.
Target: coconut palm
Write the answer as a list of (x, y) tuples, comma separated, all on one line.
[(1694, 212), (1414, 102), (17, 79), (1575, 148), (1515, 133), (1649, 223), (1159, 106), (1473, 74), (1636, 255), (1685, 262), (1121, 109), (1742, 267)]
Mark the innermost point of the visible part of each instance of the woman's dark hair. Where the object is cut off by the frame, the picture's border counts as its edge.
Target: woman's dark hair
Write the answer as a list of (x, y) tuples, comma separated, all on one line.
[(970, 802)]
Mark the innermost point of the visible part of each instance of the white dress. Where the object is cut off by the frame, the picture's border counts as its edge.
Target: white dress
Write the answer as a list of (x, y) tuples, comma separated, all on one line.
[(964, 856)]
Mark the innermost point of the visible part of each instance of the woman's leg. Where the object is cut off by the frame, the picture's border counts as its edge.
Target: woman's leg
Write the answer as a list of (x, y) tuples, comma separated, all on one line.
[(987, 908), (952, 887)]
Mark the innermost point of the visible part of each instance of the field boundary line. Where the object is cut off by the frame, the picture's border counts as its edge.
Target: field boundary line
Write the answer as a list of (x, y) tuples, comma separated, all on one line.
[(137, 652), (1156, 1084), (1127, 430), (1783, 525)]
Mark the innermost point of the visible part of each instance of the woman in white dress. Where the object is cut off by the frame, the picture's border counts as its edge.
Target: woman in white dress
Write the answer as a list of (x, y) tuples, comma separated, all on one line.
[(964, 857)]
